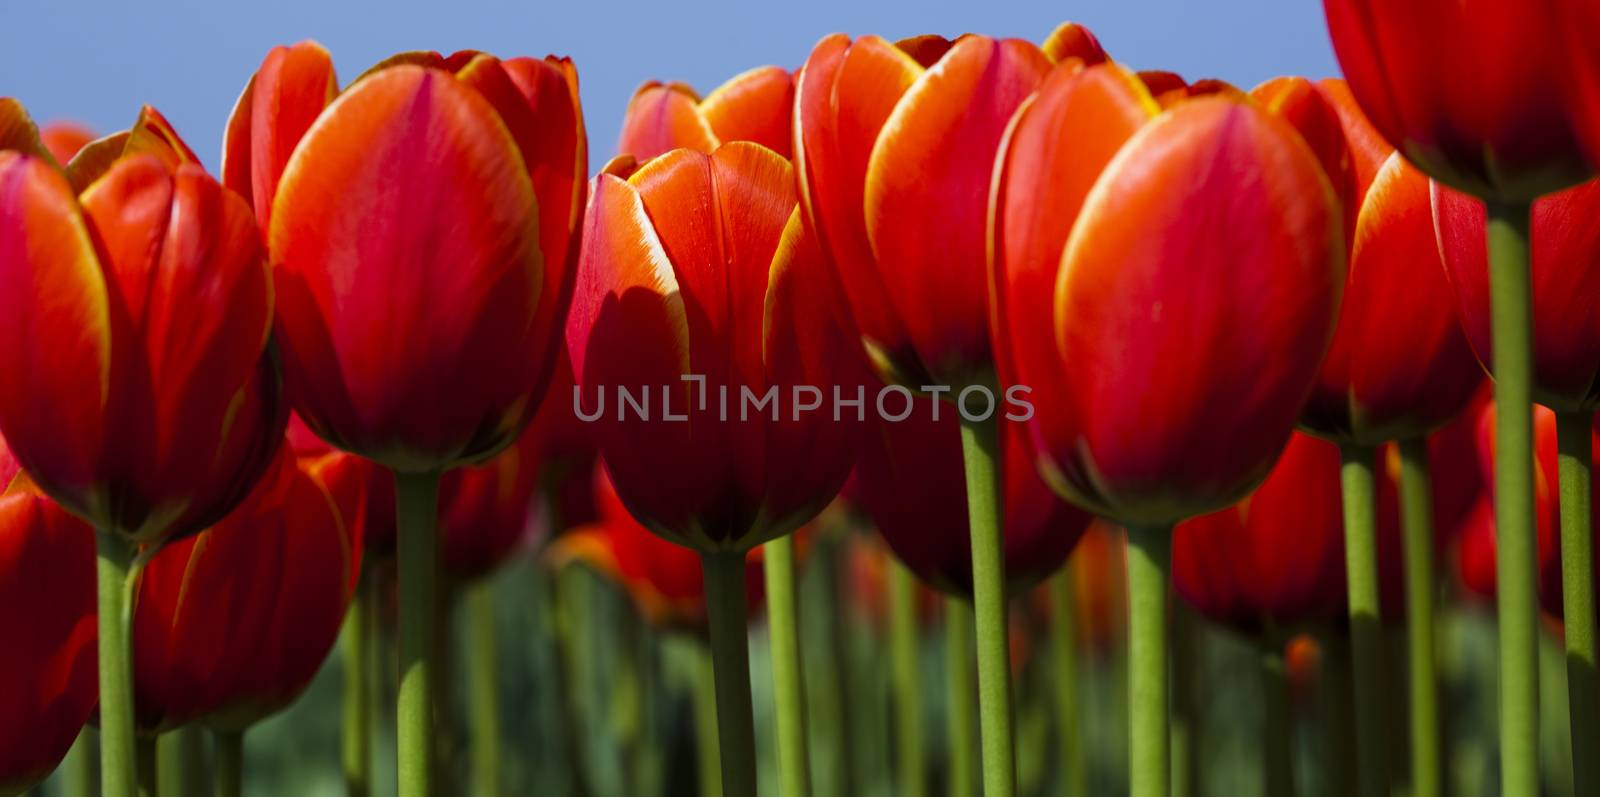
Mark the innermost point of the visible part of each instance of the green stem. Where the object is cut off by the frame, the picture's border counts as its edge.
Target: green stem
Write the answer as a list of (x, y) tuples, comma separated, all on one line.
[(355, 641), (907, 684), (181, 765), (788, 680), (1065, 648), (705, 722), (149, 776), (484, 692), (1511, 316), (980, 446), (836, 687), (118, 749), (1149, 752), (230, 763), (81, 769), (416, 507), (1277, 729), (958, 684), (1366, 634), (727, 615), (1577, 596), (1416, 523)]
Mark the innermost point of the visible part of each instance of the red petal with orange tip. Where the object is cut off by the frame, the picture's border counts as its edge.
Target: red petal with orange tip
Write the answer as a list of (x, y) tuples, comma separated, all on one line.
[(409, 346), (1190, 324), (1167, 87), (1565, 275), (152, 134), (1303, 105), (664, 117), (55, 314), (64, 139), (1071, 40), (846, 93), (926, 199), (1058, 144), (47, 617), (278, 106), (757, 105)]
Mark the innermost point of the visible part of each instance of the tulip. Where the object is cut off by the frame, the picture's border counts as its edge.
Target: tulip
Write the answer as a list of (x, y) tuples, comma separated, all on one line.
[(137, 305), (1169, 338), (230, 626), (418, 350), (47, 616), (1565, 366), (1515, 135), (895, 147), (697, 269), (757, 105), (65, 139)]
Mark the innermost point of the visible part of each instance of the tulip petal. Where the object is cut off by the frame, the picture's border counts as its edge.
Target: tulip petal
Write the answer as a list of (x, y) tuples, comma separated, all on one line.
[(94, 159), (926, 198), (756, 105), (17, 130), (664, 117), (404, 240), (1304, 106), (1071, 40), (152, 134), (56, 319), (925, 49), (284, 97)]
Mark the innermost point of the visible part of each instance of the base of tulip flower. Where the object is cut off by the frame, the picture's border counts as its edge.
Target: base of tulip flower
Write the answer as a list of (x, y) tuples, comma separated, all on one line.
[(1359, 489), (1516, 548), (980, 448), (788, 682), (1416, 528), (727, 614), (230, 762), (1149, 707), (907, 684), (1277, 729), (355, 733), (416, 496), (115, 581), (963, 725), (1064, 642), (1574, 430)]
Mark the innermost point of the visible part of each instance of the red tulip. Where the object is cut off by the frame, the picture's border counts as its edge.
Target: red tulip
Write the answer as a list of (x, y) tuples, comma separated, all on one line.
[(1275, 561), (362, 489), (1096, 571), (912, 484), (486, 511), (663, 579), (697, 266), (65, 139), (1477, 94), (136, 305), (1169, 338), (757, 105), (1565, 273), (895, 148), (230, 626), (1399, 365), (47, 617), (417, 349)]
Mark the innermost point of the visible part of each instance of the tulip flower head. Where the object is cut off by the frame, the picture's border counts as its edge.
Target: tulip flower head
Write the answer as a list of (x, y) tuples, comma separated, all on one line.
[(65, 139), (1565, 275), (486, 512), (911, 479), (362, 489), (895, 147), (1399, 365), (416, 349), (137, 307), (47, 617), (703, 295), (757, 105), (231, 625), (1479, 95), (1169, 338)]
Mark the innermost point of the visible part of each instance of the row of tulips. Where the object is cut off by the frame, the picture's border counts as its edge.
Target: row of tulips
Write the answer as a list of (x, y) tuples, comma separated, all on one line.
[(1179, 274)]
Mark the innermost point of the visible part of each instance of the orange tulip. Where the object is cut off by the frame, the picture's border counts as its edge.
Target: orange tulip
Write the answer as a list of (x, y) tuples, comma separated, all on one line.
[(47, 619), (895, 147), (698, 267), (1169, 338), (1399, 365), (65, 139), (757, 105), (1477, 94), (417, 349), (137, 306), (231, 625)]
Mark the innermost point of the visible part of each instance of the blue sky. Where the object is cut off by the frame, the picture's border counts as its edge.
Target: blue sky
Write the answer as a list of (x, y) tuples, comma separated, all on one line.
[(190, 59)]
